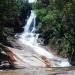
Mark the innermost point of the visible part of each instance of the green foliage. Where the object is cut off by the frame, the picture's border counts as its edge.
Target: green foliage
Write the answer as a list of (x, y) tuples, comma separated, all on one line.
[(9, 15), (57, 17), (9, 9)]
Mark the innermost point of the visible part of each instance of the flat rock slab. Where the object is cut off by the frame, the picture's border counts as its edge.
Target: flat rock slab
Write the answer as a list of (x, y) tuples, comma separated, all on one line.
[(27, 58), (25, 55), (30, 55)]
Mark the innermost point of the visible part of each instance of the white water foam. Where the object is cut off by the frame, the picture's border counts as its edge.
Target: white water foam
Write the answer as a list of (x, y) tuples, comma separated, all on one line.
[(29, 37)]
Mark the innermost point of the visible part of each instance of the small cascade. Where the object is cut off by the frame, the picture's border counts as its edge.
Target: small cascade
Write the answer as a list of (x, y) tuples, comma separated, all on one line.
[(29, 30), (31, 23), (29, 37)]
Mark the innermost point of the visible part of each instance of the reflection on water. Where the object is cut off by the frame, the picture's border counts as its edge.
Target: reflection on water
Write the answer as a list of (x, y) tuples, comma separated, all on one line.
[(41, 71)]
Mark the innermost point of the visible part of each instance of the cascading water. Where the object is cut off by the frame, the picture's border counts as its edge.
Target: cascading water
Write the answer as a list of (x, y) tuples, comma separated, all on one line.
[(29, 37)]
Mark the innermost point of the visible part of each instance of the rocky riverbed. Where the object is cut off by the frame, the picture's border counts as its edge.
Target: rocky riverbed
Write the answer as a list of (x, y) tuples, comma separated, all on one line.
[(40, 71), (31, 67)]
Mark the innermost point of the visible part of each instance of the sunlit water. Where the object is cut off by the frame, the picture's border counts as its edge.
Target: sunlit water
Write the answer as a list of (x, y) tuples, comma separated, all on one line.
[(32, 1), (29, 37)]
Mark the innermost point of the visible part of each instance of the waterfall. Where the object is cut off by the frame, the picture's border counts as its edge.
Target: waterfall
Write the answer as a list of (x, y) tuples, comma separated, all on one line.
[(31, 1), (29, 37), (29, 23)]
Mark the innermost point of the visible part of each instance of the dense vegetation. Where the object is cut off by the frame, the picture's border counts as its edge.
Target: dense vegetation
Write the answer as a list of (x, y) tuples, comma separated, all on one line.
[(9, 17), (56, 23), (12, 17)]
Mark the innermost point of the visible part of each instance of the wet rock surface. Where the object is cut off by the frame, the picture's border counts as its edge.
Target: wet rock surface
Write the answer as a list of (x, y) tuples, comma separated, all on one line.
[(19, 48), (40, 71)]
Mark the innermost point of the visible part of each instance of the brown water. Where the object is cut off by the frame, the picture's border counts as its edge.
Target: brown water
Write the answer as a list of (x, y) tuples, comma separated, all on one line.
[(41, 71)]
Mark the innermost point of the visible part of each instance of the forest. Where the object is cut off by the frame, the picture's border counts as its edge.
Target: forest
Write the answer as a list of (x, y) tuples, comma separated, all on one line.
[(12, 17), (55, 23)]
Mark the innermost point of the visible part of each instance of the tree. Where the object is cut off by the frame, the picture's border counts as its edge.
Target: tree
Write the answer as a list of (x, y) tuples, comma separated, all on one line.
[(9, 16), (56, 18)]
